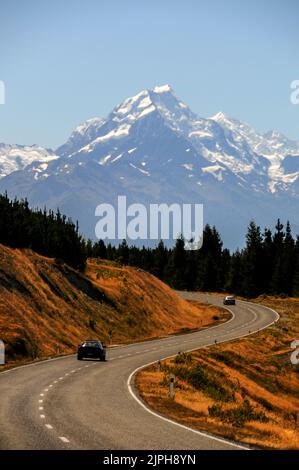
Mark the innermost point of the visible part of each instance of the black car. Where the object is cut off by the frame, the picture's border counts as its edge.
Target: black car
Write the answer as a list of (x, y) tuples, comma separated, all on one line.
[(91, 349), (229, 300)]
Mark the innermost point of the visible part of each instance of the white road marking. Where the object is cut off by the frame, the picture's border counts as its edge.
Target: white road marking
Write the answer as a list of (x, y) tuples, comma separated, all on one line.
[(60, 378), (41, 395), (72, 371), (41, 408), (50, 386), (46, 390), (39, 363), (119, 347), (55, 382), (233, 444), (166, 419), (143, 342), (49, 426), (40, 401), (42, 416), (64, 439), (182, 425)]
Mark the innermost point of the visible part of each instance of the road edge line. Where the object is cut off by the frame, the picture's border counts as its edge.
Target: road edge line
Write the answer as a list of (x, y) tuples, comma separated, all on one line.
[(42, 361), (182, 426)]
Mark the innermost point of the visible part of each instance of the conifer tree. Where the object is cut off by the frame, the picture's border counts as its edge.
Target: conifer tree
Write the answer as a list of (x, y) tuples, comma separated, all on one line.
[(252, 262)]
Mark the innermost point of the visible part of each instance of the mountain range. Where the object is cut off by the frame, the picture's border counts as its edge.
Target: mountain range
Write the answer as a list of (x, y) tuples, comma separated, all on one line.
[(153, 148)]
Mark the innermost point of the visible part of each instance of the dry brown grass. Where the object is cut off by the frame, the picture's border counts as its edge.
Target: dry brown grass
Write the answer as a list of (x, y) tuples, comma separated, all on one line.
[(256, 369), (47, 308)]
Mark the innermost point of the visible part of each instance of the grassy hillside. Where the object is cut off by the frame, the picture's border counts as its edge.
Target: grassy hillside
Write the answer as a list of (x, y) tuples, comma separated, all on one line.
[(47, 307), (246, 390)]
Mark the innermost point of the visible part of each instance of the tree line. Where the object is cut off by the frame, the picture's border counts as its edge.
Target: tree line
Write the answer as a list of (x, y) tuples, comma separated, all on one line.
[(268, 263), (45, 232)]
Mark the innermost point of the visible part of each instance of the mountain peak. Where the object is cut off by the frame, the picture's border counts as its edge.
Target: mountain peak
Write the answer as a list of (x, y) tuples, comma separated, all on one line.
[(152, 147), (143, 99)]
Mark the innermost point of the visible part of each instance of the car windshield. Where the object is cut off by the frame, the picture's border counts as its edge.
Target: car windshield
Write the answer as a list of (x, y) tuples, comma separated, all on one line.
[(92, 344)]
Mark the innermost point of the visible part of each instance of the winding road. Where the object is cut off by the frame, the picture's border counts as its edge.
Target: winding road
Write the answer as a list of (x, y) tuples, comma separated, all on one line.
[(68, 404)]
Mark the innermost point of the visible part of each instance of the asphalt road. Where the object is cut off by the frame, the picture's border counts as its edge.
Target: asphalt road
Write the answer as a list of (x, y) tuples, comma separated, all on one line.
[(69, 404)]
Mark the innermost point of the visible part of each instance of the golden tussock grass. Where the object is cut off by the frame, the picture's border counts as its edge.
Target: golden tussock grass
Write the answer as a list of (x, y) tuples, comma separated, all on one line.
[(246, 390), (47, 308)]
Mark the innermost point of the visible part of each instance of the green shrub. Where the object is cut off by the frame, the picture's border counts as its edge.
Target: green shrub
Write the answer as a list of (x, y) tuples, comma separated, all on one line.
[(205, 382), (183, 358), (238, 416)]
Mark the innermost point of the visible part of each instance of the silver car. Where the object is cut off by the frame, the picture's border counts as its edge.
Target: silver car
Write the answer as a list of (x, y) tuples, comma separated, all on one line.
[(229, 300)]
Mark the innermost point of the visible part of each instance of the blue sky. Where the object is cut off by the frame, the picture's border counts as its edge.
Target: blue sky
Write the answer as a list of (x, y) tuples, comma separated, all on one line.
[(66, 61)]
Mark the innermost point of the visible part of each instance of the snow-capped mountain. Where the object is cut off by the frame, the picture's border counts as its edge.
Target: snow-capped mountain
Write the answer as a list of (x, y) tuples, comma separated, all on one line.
[(82, 135), (17, 157), (283, 170), (153, 148)]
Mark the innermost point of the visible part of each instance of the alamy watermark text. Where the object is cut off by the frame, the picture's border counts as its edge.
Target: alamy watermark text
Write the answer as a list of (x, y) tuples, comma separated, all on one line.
[(153, 222)]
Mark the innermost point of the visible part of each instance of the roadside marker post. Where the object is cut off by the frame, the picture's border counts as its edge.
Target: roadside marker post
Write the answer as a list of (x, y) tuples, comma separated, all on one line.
[(171, 387)]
